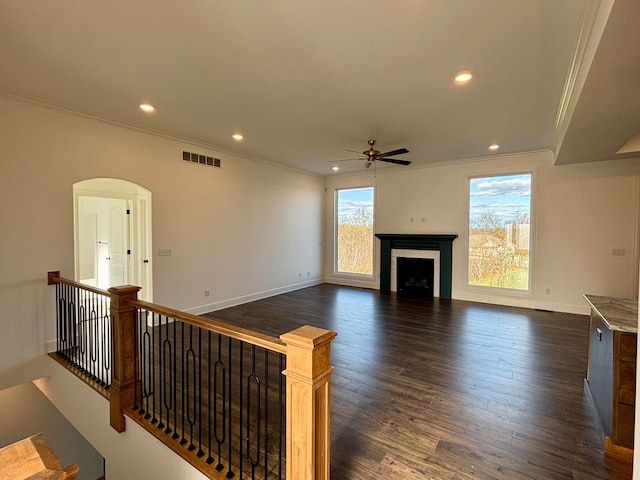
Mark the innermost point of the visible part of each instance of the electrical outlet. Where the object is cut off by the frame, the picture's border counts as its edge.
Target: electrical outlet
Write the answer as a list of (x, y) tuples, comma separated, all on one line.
[(547, 291), (308, 274), (207, 292), (424, 219), (164, 252), (300, 274), (618, 252)]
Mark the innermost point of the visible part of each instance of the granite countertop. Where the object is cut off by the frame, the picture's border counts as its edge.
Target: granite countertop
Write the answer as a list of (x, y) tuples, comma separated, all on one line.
[(618, 313)]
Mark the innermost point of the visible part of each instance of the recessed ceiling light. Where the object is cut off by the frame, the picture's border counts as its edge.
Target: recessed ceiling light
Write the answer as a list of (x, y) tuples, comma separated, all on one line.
[(335, 168), (463, 77), (237, 137), (147, 107), (495, 146)]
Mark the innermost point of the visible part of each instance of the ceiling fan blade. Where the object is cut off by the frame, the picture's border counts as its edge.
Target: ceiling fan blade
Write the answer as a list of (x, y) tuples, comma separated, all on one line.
[(399, 151), (395, 160)]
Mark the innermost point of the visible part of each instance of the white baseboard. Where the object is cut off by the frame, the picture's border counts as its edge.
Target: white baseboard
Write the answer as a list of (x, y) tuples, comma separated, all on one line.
[(233, 302), (525, 303), (353, 282)]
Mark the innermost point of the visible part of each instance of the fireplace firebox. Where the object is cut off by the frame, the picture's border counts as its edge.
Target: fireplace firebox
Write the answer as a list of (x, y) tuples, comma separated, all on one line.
[(415, 277)]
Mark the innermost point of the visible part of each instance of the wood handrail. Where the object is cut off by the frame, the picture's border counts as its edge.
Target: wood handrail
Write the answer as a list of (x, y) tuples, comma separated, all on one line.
[(54, 277), (248, 336), (216, 326)]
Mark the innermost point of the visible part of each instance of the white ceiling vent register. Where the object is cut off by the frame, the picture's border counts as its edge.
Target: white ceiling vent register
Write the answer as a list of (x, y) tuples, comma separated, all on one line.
[(201, 159)]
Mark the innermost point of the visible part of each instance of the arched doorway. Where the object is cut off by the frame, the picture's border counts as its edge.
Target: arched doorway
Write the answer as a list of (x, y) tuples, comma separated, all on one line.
[(112, 234)]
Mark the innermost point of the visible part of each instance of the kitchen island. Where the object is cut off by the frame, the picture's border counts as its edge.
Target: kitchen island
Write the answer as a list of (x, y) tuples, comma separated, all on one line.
[(611, 369)]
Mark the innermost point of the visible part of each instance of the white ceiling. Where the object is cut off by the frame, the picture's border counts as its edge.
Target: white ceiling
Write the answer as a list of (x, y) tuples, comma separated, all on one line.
[(307, 80)]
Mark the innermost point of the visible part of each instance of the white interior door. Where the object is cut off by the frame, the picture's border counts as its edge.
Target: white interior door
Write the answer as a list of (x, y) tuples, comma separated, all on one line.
[(118, 243), (103, 241), (87, 248)]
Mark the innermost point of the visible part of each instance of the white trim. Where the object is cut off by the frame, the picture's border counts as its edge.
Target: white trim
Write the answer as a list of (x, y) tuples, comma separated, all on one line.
[(336, 191), (232, 302), (352, 281), (532, 170), (137, 197), (521, 302)]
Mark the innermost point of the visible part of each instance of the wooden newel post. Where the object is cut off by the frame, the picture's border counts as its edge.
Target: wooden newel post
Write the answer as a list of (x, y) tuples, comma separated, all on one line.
[(123, 330), (308, 402)]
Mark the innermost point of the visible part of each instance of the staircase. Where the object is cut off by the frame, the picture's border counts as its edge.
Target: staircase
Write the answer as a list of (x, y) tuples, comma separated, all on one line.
[(33, 458)]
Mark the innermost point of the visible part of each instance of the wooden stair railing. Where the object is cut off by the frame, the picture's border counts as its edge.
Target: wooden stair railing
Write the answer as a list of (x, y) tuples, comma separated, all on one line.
[(307, 373)]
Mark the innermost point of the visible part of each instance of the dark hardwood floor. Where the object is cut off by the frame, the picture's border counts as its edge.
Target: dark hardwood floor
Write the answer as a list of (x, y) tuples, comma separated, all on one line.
[(446, 389)]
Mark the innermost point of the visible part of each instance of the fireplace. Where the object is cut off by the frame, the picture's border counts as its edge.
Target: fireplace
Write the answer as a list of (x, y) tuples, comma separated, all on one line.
[(436, 246), (414, 277)]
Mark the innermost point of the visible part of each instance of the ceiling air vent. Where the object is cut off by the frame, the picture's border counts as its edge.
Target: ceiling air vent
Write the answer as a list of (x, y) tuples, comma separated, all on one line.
[(201, 159)]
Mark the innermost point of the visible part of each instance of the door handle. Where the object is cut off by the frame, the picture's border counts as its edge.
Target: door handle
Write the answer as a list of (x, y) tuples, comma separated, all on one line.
[(145, 260)]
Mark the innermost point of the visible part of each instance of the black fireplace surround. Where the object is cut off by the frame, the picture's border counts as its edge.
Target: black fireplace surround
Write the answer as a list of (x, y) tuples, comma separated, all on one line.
[(440, 242)]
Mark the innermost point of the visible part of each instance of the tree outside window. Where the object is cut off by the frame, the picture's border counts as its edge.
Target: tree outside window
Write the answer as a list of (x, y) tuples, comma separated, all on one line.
[(500, 231), (354, 237)]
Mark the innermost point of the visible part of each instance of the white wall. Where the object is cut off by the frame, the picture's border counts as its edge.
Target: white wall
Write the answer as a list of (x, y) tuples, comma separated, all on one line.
[(582, 213), (246, 230)]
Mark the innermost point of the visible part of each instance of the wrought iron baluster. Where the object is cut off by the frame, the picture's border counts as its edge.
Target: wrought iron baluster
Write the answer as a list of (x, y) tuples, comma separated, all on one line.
[(220, 378), (200, 451), (191, 383), (230, 422), (93, 332), (162, 374), (209, 393), (107, 339), (81, 357), (154, 402), (58, 316), (240, 410), (103, 342), (266, 413), (183, 354), (136, 363), (74, 323), (63, 319), (175, 381), (146, 361), (281, 417), (167, 354), (252, 377), (70, 317)]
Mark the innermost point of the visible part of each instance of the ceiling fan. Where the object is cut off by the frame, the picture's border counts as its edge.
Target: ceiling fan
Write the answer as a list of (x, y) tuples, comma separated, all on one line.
[(373, 155)]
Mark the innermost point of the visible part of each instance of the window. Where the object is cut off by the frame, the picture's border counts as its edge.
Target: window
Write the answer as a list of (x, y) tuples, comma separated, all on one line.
[(500, 231), (354, 230)]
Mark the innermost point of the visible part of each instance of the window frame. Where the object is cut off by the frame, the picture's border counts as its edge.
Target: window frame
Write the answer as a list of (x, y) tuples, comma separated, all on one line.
[(336, 271), (533, 172)]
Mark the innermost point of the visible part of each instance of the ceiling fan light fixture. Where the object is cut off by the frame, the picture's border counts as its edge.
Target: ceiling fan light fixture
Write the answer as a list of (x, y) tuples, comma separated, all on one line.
[(335, 168), (147, 107), (462, 77), (238, 137), (494, 146)]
